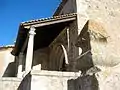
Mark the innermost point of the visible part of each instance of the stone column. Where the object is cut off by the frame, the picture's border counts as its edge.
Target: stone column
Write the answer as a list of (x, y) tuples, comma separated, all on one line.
[(29, 55), (20, 65)]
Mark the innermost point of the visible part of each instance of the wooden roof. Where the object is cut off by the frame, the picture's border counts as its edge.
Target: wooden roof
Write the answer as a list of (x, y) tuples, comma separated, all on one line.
[(47, 30)]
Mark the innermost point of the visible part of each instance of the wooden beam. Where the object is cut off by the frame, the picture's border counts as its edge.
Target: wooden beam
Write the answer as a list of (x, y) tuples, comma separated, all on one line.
[(50, 22)]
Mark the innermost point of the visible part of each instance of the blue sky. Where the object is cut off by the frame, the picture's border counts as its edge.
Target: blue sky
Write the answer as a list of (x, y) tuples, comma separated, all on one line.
[(12, 12)]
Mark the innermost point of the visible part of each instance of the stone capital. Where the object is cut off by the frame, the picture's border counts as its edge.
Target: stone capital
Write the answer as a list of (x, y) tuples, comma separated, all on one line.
[(32, 30)]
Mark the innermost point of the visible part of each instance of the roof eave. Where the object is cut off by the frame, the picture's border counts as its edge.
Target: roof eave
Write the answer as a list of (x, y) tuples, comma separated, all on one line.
[(40, 23)]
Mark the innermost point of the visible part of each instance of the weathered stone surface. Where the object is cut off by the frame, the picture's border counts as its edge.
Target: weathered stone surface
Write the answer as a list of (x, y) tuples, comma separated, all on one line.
[(108, 78), (9, 83), (105, 16), (7, 62), (48, 80), (100, 11)]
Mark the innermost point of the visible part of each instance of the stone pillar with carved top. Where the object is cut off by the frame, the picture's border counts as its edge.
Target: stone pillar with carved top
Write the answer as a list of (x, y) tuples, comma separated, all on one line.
[(29, 55)]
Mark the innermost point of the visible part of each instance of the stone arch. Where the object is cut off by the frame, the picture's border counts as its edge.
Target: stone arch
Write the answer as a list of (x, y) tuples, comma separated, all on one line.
[(59, 57)]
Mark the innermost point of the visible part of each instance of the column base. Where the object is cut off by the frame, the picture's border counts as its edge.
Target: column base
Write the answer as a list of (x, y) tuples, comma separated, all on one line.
[(20, 75)]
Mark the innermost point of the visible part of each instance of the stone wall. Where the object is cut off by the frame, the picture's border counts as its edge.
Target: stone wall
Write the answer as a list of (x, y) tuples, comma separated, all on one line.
[(104, 22), (109, 78), (106, 14), (49, 80), (7, 62), (103, 16), (9, 83)]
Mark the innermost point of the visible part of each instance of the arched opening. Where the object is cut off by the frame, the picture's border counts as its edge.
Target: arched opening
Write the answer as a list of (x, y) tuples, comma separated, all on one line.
[(59, 58)]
